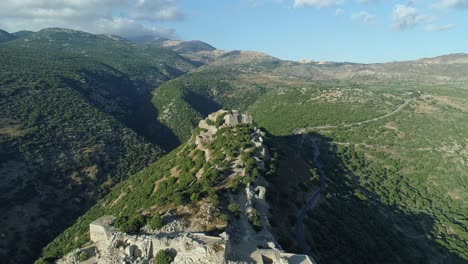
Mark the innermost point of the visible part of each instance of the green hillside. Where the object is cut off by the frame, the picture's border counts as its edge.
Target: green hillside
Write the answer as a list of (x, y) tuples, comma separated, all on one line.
[(22, 33), (76, 119), (401, 144), (83, 112), (5, 36), (187, 178)]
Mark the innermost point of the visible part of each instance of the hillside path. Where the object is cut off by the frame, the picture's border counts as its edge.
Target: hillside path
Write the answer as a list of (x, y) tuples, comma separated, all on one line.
[(314, 195), (311, 200), (307, 129)]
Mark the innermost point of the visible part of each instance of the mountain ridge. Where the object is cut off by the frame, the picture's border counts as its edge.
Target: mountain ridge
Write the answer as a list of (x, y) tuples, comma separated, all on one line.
[(76, 119), (203, 177), (81, 112), (5, 36)]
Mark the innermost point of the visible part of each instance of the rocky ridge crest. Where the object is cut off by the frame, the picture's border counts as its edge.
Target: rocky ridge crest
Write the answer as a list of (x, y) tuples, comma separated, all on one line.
[(246, 239)]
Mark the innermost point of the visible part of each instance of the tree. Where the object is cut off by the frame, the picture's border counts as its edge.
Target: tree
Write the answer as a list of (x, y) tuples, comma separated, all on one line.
[(163, 257), (254, 219), (130, 225), (314, 175), (156, 222), (178, 198), (234, 208), (82, 256), (214, 197)]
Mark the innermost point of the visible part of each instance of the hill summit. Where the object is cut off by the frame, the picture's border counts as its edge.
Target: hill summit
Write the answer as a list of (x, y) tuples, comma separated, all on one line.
[(202, 203)]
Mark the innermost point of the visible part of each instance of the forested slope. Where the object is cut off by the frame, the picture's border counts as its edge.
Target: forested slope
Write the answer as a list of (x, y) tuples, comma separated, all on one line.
[(75, 119)]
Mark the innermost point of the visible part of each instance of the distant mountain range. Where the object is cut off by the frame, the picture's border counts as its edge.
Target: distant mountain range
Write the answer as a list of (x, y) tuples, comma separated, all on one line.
[(5, 36)]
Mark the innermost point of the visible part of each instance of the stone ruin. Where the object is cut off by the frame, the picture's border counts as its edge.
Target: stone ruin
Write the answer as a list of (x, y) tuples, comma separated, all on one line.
[(234, 118), (231, 118), (112, 246), (241, 244)]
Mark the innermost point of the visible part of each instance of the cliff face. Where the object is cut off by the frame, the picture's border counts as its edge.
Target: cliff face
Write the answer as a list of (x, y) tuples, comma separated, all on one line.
[(225, 223)]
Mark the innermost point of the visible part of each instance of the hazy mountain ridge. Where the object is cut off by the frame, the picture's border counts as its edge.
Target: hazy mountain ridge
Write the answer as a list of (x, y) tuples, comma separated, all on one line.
[(22, 33), (188, 46), (5, 36)]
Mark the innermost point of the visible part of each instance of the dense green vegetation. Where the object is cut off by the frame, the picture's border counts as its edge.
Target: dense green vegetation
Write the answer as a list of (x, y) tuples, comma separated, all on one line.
[(398, 182), (130, 224), (400, 161), (395, 187), (76, 119), (169, 182), (282, 111), (182, 102), (156, 222), (349, 212)]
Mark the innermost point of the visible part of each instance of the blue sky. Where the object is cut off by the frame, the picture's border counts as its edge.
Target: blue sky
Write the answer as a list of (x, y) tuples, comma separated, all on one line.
[(332, 30), (322, 33)]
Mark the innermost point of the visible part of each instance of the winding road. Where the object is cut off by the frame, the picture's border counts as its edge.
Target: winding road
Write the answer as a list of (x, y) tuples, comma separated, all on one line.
[(307, 129), (311, 200), (300, 238)]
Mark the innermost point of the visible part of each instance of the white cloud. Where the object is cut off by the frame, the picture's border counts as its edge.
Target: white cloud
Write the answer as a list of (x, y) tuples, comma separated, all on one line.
[(169, 13), (364, 16), (129, 28), (317, 3), (259, 3), (434, 28), (456, 4), (339, 12), (96, 16), (367, 1), (406, 17)]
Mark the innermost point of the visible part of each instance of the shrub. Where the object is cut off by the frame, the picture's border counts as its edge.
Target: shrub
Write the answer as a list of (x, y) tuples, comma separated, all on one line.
[(195, 197), (156, 222), (236, 184), (210, 122), (254, 219), (81, 256), (223, 217), (130, 225), (163, 257), (220, 120), (214, 197), (234, 208), (178, 198)]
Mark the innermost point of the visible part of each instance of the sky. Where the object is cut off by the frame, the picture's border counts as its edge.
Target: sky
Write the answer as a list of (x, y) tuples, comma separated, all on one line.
[(322, 30)]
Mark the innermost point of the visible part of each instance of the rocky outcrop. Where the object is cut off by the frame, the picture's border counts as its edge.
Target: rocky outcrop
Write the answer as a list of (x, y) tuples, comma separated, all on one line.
[(234, 118), (112, 246), (210, 125), (248, 237)]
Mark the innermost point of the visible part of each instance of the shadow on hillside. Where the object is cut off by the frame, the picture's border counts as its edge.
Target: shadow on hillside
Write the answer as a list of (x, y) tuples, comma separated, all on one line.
[(342, 228), (202, 104), (127, 101)]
